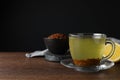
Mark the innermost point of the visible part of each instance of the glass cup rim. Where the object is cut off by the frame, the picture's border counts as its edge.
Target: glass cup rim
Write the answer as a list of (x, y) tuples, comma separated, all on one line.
[(87, 35)]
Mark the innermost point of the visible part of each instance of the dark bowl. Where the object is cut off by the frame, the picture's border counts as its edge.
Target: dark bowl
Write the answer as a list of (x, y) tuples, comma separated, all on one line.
[(57, 46)]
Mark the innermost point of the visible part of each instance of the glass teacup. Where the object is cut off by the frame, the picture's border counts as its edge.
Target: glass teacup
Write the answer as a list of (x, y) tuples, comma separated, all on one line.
[(87, 49)]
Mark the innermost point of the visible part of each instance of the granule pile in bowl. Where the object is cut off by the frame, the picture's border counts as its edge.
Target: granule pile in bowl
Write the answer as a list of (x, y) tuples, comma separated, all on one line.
[(57, 36)]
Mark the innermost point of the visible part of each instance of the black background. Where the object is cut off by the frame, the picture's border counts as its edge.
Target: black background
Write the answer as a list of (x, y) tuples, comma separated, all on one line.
[(24, 23)]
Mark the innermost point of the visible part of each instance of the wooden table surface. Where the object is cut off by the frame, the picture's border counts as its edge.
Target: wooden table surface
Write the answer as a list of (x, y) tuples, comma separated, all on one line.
[(15, 66)]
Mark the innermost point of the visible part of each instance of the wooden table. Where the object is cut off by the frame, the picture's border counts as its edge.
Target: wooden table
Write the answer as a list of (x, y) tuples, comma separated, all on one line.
[(15, 66)]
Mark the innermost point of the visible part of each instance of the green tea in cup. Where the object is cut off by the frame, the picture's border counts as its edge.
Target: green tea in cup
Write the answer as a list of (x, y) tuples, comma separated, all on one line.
[(87, 48)]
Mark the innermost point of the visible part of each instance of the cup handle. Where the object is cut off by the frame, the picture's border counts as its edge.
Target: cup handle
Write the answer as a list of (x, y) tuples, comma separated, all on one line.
[(108, 41)]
